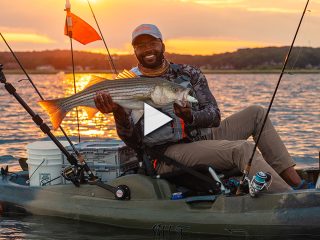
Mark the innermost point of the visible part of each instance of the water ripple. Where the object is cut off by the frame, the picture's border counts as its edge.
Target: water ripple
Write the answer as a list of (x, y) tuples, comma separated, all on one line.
[(295, 112)]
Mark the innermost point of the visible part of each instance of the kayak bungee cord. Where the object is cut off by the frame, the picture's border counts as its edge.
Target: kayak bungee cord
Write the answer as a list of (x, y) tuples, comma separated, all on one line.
[(69, 25), (104, 42), (246, 171), (72, 173), (80, 157)]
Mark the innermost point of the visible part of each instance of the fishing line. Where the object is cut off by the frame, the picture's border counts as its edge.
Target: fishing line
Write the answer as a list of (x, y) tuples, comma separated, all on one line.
[(104, 42), (298, 56), (22, 68), (74, 83), (296, 60), (23, 79), (248, 166), (41, 97)]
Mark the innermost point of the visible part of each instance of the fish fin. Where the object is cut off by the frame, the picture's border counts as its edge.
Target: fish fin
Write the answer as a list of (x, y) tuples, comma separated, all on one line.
[(54, 110), (130, 104), (126, 74), (91, 111), (136, 115), (94, 80)]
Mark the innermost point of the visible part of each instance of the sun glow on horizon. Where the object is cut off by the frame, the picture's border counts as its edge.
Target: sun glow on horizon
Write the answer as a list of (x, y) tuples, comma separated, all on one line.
[(113, 51), (209, 46)]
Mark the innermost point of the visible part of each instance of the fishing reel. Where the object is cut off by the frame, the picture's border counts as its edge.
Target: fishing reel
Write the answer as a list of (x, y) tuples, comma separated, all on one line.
[(259, 182), (73, 174)]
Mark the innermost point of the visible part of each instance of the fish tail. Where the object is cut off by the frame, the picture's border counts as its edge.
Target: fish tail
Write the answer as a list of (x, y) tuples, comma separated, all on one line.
[(55, 111)]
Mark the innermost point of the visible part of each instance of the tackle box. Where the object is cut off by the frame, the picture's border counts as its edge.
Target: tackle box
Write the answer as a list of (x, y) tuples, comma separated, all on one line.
[(107, 159)]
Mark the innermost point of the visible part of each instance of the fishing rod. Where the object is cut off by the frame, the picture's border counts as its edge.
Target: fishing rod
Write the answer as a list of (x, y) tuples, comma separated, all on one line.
[(80, 157), (104, 42), (248, 166), (37, 119), (69, 31), (72, 173)]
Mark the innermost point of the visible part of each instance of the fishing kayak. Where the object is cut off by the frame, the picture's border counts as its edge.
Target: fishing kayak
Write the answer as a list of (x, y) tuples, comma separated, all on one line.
[(151, 207)]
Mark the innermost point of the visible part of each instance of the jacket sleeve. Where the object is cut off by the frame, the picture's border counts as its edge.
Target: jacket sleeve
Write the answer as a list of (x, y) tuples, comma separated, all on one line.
[(208, 114), (126, 129)]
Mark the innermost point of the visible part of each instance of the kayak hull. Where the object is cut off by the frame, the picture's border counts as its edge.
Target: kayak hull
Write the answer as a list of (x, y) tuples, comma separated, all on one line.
[(150, 208)]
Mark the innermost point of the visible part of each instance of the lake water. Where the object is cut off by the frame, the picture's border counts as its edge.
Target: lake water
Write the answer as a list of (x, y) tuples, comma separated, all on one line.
[(295, 114)]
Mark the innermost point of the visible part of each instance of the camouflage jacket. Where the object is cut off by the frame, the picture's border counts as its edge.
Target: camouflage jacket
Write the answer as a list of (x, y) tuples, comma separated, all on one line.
[(208, 114)]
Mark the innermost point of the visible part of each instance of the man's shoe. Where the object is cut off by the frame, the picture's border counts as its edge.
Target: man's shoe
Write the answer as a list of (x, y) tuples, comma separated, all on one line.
[(304, 185)]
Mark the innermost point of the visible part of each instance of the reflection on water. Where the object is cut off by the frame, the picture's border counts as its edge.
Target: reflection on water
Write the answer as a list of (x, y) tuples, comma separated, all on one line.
[(100, 126), (17, 129), (56, 228), (295, 112), (39, 228)]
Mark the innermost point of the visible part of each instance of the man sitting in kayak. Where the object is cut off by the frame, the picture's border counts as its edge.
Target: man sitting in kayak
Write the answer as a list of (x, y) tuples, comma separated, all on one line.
[(197, 135)]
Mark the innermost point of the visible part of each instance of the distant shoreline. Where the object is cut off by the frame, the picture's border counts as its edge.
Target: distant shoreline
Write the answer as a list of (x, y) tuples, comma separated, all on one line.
[(253, 71), (248, 60)]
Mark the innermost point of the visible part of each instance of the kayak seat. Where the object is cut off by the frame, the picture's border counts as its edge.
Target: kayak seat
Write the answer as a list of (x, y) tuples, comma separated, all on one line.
[(197, 179)]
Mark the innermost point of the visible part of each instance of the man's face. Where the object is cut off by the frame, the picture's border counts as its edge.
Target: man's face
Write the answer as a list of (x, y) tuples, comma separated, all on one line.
[(149, 51)]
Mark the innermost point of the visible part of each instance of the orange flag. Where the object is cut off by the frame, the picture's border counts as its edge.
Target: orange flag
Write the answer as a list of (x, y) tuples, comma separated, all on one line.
[(79, 30)]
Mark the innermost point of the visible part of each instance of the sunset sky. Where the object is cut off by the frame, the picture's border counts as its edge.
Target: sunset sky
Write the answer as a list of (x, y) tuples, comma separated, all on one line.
[(188, 26)]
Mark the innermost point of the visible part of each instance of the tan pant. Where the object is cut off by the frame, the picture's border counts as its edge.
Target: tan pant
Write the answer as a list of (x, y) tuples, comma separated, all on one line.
[(230, 148)]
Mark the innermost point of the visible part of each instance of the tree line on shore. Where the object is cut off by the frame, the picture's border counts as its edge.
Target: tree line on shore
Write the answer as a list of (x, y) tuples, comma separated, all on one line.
[(242, 59)]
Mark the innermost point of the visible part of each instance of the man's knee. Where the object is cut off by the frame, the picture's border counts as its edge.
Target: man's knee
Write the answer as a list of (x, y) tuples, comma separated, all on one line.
[(258, 114), (257, 111)]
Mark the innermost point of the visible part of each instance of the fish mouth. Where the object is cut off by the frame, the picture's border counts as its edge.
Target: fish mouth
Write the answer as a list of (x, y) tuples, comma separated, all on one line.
[(186, 98), (191, 99)]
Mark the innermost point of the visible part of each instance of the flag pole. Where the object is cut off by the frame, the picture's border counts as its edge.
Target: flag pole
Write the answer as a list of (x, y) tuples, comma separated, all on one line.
[(104, 42), (69, 31)]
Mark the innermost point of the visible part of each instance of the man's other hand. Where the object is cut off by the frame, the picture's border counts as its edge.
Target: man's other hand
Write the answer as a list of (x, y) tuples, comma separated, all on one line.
[(183, 112), (104, 102)]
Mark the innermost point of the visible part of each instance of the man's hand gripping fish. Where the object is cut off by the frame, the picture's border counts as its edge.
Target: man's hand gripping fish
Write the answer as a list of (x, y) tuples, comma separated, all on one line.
[(127, 90)]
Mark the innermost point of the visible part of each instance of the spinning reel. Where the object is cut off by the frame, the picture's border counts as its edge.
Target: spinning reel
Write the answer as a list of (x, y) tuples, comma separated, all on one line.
[(259, 182), (73, 174)]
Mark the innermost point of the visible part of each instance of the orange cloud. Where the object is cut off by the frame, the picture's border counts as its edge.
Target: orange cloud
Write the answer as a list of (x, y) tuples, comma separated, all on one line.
[(28, 38), (214, 2), (274, 10)]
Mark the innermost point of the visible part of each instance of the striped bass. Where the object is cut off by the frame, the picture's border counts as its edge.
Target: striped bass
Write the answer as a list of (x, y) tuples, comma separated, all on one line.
[(130, 93)]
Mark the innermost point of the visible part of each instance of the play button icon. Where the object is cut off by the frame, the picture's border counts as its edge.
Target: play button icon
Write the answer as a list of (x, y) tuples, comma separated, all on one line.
[(153, 119)]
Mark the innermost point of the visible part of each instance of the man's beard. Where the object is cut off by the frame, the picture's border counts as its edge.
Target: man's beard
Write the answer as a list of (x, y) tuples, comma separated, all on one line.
[(156, 64)]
